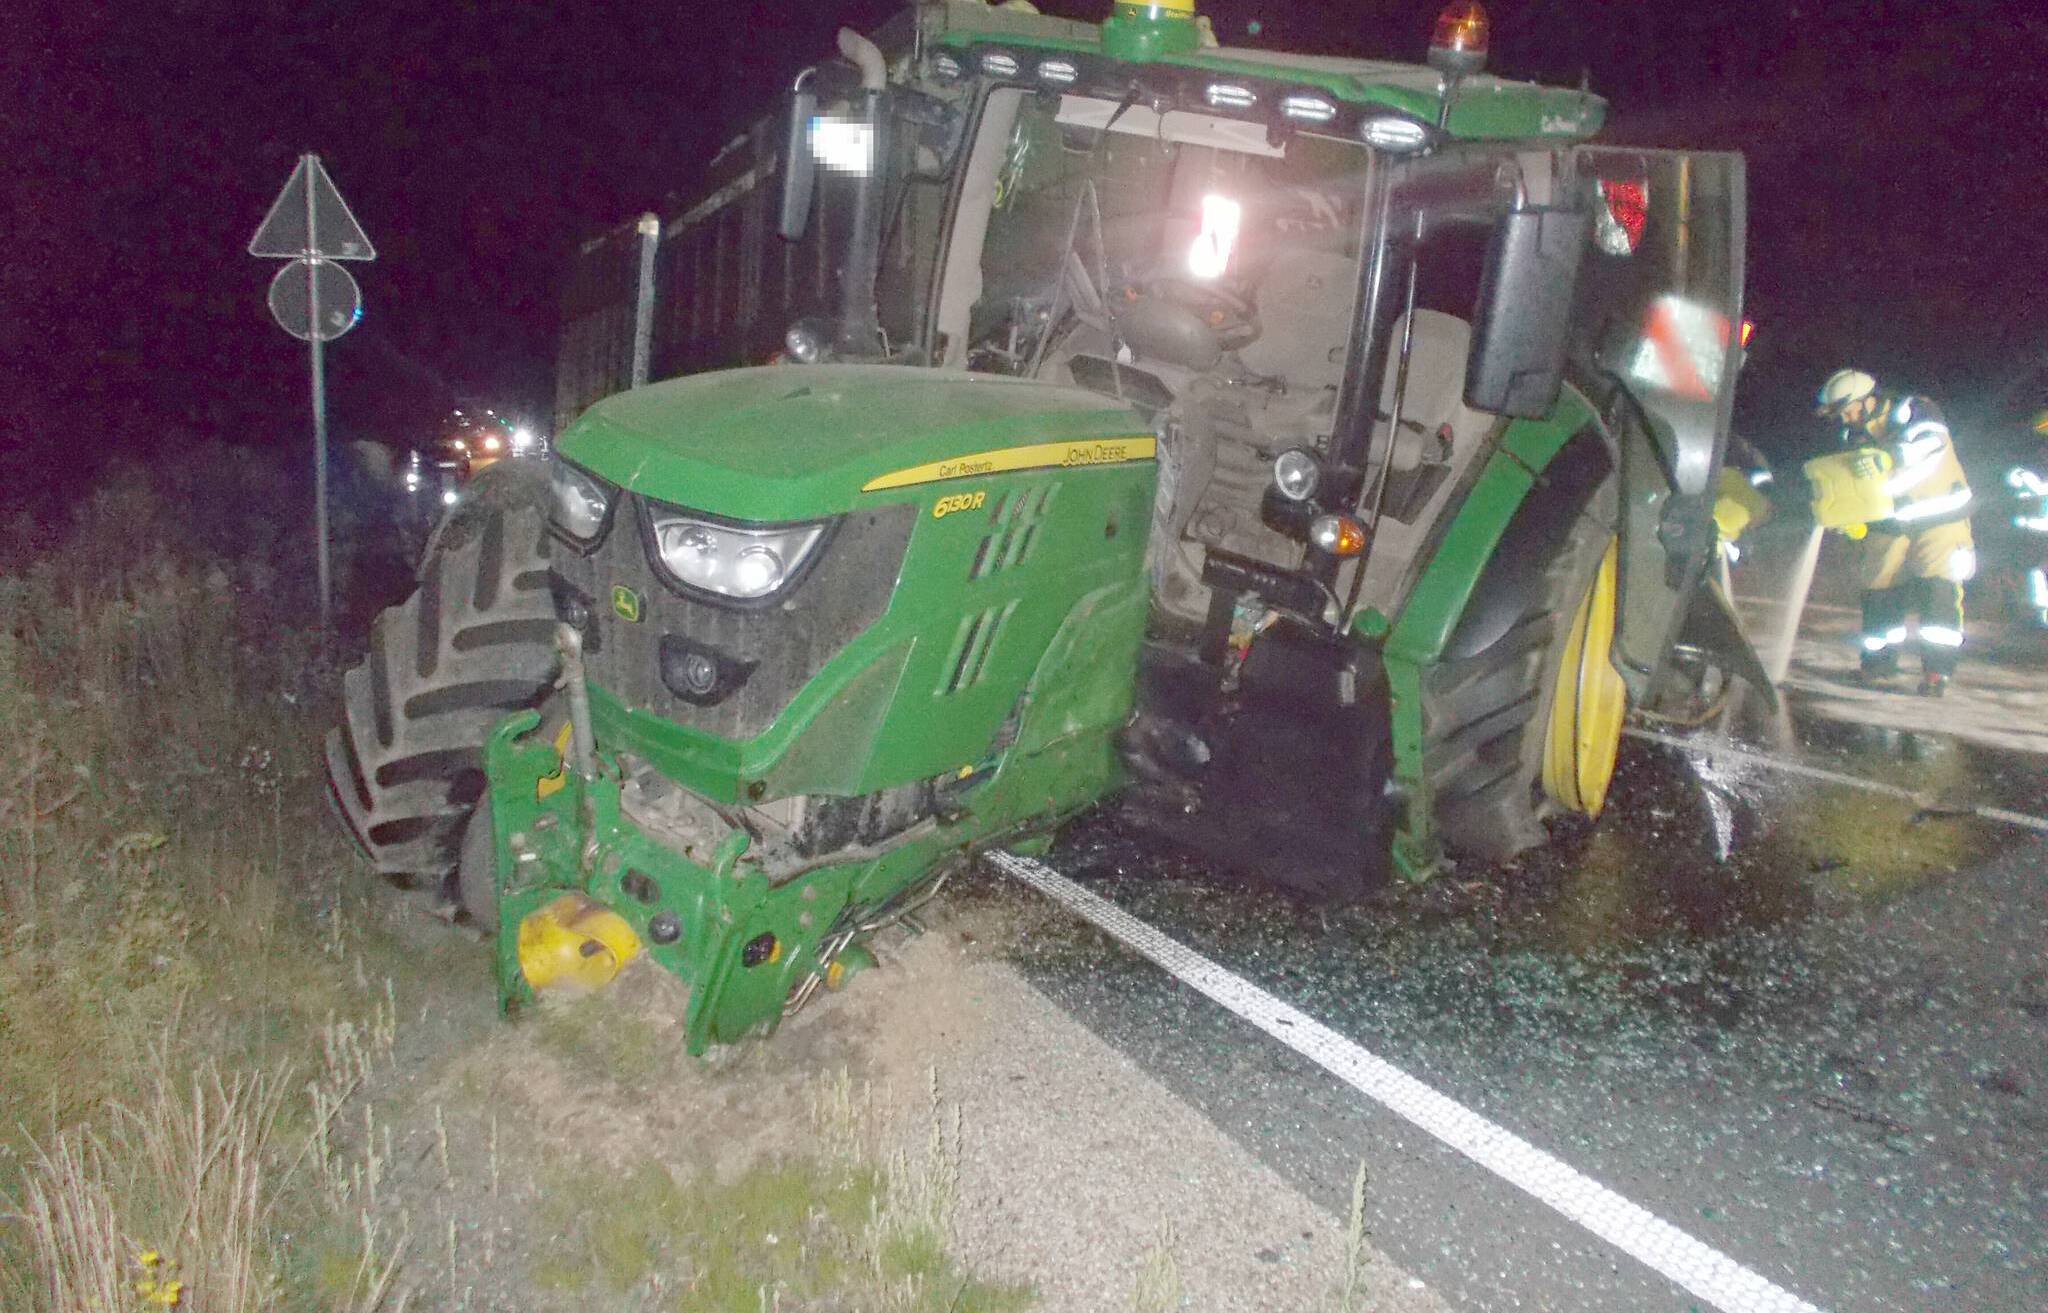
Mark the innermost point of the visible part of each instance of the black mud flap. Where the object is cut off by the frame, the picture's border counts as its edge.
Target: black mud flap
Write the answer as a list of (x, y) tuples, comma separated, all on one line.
[(1711, 629), (1282, 780)]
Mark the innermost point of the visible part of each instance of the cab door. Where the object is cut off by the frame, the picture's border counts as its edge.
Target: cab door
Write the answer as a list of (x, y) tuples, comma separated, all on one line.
[(1658, 320)]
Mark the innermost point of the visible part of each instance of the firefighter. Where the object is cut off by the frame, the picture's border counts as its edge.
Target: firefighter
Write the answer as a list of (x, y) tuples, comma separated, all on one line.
[(2030, 488), (1920, 558)]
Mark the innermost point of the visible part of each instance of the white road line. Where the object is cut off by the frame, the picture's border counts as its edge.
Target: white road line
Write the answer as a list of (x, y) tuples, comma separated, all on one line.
[(1928, 801), (1698, 1267)]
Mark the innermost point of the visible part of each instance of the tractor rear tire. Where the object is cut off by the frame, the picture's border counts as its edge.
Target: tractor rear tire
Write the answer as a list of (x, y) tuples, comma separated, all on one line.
[(474, 643), (1489, 704)]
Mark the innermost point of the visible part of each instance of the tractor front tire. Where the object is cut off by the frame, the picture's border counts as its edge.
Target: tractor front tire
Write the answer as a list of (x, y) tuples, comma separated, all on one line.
[(474, 643), (1521, 716)]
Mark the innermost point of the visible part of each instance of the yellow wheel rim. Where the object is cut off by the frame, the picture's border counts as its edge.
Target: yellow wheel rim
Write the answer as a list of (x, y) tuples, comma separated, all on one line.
[(1589, 702)]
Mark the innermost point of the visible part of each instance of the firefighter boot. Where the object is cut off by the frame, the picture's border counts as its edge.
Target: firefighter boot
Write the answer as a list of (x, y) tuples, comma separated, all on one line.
[(1941, 634), (1884, 633)]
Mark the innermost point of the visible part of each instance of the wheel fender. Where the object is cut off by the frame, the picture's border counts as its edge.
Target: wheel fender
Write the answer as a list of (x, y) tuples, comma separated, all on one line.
[(1711, 626), (1529, 539)]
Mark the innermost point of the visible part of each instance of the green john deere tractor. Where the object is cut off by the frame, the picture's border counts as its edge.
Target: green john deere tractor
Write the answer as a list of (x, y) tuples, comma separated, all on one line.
[(1323, 449)]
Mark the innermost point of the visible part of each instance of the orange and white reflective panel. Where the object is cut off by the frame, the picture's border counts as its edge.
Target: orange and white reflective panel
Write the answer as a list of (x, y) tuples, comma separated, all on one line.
[(1684, 350)]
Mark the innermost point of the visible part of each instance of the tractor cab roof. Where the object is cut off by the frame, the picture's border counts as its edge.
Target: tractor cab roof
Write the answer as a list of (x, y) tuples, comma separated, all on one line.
[(1485, 107)]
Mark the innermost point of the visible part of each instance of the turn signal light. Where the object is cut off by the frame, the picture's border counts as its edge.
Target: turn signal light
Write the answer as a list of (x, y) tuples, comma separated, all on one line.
[(1339, 535)]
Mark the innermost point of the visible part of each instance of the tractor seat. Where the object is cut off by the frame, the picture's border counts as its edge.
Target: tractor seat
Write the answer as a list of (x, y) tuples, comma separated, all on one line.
[(1435, 399)]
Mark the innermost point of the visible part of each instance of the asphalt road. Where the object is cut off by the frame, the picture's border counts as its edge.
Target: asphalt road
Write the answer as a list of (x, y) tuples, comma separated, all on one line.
[(1787, 1017)]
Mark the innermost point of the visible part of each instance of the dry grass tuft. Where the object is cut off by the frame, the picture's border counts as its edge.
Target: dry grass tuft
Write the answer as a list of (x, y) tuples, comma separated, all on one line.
[(174, 1198), (1158, 1288), (1357, 1254)]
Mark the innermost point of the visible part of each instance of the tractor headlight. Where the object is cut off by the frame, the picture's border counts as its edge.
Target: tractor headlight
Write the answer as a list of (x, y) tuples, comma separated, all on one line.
[(745, 562), (581, 503), (1296, 474)]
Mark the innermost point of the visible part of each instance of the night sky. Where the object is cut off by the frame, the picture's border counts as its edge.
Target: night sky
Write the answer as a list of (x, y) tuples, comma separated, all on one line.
[(1897, 161)]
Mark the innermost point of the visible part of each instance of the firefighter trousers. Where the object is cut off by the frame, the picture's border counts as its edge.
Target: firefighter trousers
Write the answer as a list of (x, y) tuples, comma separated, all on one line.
[(1916, 575)]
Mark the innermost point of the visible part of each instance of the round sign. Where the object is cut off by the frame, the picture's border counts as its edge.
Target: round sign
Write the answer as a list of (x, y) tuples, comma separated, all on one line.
[(315, 299)]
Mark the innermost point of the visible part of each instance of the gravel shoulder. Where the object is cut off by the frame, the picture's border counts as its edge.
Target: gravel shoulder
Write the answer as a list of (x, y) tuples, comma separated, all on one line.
[(1077, 1167), (1071, 1170)]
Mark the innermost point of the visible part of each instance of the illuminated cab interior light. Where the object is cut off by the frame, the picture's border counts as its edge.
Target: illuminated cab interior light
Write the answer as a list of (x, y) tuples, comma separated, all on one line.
[(1229, 95), (1391, 133), (1308, 109), (1209, 257), (1059, 72), (997, 64)]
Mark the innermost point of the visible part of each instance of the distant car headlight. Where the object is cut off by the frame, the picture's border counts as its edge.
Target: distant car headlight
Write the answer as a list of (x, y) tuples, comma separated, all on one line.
[(745, 562), (581, 503)]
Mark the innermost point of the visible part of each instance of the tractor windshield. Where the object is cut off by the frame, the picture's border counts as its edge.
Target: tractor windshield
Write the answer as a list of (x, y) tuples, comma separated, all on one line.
[(1178, 244)]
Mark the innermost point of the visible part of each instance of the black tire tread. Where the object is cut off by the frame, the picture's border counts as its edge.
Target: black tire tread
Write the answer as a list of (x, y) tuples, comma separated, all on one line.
[(472, 643), (1484, 716)]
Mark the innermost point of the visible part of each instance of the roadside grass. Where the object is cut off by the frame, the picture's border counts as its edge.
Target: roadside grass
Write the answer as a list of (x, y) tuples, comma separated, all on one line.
[(839, 1226), (174, 939), (207, 1100)]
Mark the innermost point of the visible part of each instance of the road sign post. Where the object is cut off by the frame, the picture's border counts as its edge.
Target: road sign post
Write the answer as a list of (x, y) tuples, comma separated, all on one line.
[(316, 300)]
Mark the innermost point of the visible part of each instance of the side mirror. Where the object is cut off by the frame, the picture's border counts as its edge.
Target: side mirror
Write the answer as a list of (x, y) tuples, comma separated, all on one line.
[(1522, 326), (799, 169)]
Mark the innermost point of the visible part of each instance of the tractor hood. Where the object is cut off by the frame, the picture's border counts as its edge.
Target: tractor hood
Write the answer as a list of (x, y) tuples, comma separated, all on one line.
[(790, 442)]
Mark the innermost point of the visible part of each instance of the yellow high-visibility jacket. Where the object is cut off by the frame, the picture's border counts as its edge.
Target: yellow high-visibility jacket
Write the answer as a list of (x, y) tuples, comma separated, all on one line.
[(1927, 483)]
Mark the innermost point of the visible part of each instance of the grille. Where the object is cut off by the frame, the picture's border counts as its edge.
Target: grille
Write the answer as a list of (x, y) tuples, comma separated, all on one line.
[(780, 647), (1013, 530), (967, 660)]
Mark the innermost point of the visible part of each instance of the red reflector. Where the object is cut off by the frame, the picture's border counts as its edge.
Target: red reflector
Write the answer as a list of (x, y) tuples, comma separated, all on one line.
[(1628, 204)]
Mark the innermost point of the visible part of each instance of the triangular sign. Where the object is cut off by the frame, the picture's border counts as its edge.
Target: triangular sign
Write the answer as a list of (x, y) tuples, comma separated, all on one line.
[(322, 225)]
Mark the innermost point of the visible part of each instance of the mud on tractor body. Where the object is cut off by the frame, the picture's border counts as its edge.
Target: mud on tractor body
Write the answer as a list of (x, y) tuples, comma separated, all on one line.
[(1325, 448)]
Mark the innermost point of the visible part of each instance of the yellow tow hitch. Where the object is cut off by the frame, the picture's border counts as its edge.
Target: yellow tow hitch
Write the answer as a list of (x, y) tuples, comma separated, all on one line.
[(576, 943)]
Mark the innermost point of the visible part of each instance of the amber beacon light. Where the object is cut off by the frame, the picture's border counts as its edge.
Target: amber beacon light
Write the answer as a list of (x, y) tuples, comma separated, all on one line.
[(1458, 46)]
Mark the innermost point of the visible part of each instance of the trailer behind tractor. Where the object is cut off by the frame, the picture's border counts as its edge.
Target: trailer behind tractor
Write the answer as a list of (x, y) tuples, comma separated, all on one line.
[(1325, 447)]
